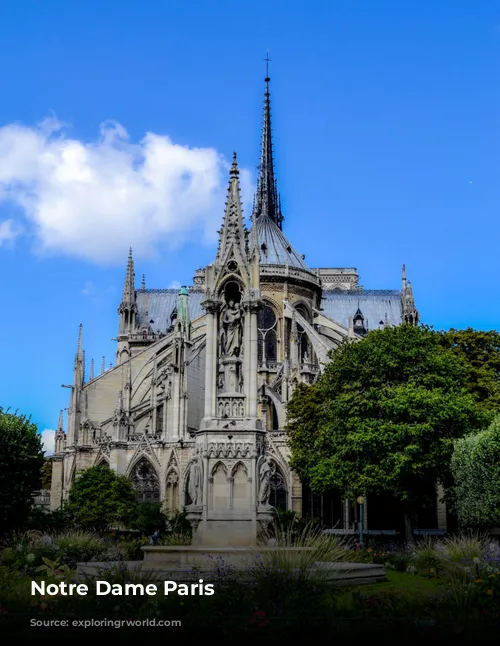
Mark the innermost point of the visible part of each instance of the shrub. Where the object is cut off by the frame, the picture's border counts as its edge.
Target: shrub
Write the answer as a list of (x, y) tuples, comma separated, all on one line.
[(100, 499), (475, 466)]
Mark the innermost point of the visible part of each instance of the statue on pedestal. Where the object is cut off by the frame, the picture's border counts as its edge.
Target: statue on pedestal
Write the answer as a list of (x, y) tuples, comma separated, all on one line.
[(266, 471), (231, 335), (195, 483)]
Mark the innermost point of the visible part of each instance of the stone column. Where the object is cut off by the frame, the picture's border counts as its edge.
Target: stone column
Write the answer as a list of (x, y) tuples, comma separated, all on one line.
[(211, 360), (252, 362)]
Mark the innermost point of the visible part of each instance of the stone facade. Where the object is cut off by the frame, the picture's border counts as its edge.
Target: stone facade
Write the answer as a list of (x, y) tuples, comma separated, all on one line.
[(193, 411)]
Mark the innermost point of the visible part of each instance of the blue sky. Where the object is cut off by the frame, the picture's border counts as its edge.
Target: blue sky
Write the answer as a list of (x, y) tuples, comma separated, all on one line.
[(386, 135)]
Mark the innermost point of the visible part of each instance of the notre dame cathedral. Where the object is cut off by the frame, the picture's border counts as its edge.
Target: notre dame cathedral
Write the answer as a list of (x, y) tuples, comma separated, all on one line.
[(193, 411)]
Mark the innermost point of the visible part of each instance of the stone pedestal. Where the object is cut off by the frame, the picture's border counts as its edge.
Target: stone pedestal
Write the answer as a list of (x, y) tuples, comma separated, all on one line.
[(230, 513)]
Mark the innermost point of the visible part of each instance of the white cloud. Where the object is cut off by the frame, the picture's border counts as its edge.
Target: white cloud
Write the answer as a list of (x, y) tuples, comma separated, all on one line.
[(48, 440), (93, 200), (9, 230), (175, 284)]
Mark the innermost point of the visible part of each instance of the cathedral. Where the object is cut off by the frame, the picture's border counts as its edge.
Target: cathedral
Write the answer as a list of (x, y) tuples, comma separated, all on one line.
[(194, 409)]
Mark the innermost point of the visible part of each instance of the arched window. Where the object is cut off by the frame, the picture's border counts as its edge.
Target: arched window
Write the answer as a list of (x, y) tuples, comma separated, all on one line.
[(145, 481), (304, 349), (267, 335), (279, 493)]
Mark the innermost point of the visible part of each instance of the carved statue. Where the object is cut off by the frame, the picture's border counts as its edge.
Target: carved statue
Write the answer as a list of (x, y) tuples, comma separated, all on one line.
[(195, 482), (265, 473), (232, 330)]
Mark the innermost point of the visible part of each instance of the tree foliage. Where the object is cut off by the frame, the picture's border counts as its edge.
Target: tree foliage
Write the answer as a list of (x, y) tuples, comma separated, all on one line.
[(383, 416), (21, 463), (47, 474), (100, 499), (475, 466), (481, 353)]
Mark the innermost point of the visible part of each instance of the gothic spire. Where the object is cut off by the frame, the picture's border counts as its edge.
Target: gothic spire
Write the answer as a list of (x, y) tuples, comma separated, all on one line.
[(267, 201), (79, 351), (233, 233), (79, 365), (129, 287), (128, 306)]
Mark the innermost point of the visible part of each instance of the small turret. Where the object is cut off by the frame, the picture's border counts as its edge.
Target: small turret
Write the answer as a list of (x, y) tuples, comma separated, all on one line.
[(409, 312), (60, 436)]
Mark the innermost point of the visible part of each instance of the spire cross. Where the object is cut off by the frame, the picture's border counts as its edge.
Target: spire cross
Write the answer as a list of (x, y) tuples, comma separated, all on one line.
[(268, 60)]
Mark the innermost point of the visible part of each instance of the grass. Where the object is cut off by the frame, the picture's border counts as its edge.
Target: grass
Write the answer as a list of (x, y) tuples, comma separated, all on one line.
[(403, 582)]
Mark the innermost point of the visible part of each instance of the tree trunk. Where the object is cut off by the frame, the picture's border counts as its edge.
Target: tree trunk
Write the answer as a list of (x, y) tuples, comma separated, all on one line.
[(408, 526)]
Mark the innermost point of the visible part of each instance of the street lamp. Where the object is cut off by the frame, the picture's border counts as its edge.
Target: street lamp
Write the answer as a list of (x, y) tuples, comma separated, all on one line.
[(361, 502)]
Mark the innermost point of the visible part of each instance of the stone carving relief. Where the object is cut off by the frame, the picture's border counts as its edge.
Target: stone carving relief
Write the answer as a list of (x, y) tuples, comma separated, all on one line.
[(229, 449), (231, 407), (163, 382)]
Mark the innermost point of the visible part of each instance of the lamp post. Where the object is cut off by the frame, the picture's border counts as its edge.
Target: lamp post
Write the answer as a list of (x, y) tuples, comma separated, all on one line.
[(361, 502)]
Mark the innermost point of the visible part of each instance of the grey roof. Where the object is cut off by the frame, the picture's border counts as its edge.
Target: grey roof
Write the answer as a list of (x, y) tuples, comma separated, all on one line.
[(337, 305), (277, 251), (160, 303), (373, 303)]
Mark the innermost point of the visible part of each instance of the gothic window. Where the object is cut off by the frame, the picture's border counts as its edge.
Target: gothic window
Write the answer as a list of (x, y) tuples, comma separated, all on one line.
[(103, 463), (267, 335), (146, 482), (279, 494), (304, 350), (159, 418)]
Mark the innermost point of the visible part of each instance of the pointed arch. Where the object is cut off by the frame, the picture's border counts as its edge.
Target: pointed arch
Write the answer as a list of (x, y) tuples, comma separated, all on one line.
[(278, 406), (220, 489), (238, 465), (219, 466), (145, 480), (240, 484), (279, 489)]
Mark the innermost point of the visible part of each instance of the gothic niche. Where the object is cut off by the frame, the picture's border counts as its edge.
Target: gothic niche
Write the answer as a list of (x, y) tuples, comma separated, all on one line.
[(194, 489), (172, 493), (272, 486), (230, 375), (145, 481)]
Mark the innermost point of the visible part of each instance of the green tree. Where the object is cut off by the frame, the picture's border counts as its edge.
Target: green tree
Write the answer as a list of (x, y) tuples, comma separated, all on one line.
[(21, 463), (383, 416), (150, 517), (475, 466), (47, 474), (480, 350), (100, 499)]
